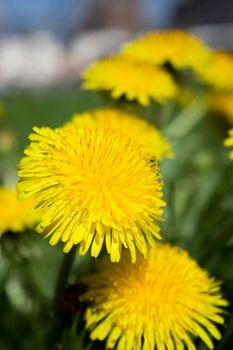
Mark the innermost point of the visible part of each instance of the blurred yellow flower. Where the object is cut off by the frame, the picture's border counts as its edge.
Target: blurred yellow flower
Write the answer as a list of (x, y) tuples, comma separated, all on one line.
[(161, 302), (14, 214), (180, 48), (222, 103), (95, 186), (140, 131), (134, 80), (220, 72), (8, 140), (228, 142)]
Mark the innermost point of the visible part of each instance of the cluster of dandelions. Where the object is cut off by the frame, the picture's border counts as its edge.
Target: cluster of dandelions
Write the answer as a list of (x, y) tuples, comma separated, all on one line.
[(97, 184), (150, 69)]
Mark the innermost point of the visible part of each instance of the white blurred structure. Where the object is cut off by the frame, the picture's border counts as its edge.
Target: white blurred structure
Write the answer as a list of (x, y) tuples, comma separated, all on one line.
[(41, 60), (92, 45), (35, 60)]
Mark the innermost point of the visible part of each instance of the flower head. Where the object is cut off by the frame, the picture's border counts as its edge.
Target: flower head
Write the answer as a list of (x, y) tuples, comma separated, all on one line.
[(95, 186), (14, 214), (228, 142), (133, 80), (157, 303), (181, 49), (219, 73), (145, 134)]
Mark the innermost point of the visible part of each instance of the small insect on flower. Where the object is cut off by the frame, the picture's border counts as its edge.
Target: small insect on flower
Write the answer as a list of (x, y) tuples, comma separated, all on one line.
[(228, 142), (219, 74), (149, 137), (159, 303), (94, 185), (179, 48), (138, 81), (14, 214)]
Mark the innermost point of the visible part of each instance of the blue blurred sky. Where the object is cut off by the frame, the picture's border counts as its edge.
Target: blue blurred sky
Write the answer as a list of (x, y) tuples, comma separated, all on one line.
[(28, 15), (159, 11), (61, 16)]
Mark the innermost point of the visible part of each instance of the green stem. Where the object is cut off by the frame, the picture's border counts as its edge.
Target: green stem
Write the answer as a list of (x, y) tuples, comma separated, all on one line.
[(186, 120), (57, 323), (212, 210), (63, 275)]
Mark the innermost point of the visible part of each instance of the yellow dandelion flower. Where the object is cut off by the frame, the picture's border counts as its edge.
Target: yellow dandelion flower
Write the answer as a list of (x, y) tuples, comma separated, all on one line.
[(228, 142), (94, 186), (14, 214), (158, 303), (222, 103), (134, 80), (180, 48), (149, 137), (220, 72)]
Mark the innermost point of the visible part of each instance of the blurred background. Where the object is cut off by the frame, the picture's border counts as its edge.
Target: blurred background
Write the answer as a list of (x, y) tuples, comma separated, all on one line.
[(44, 46), (43, 43)]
